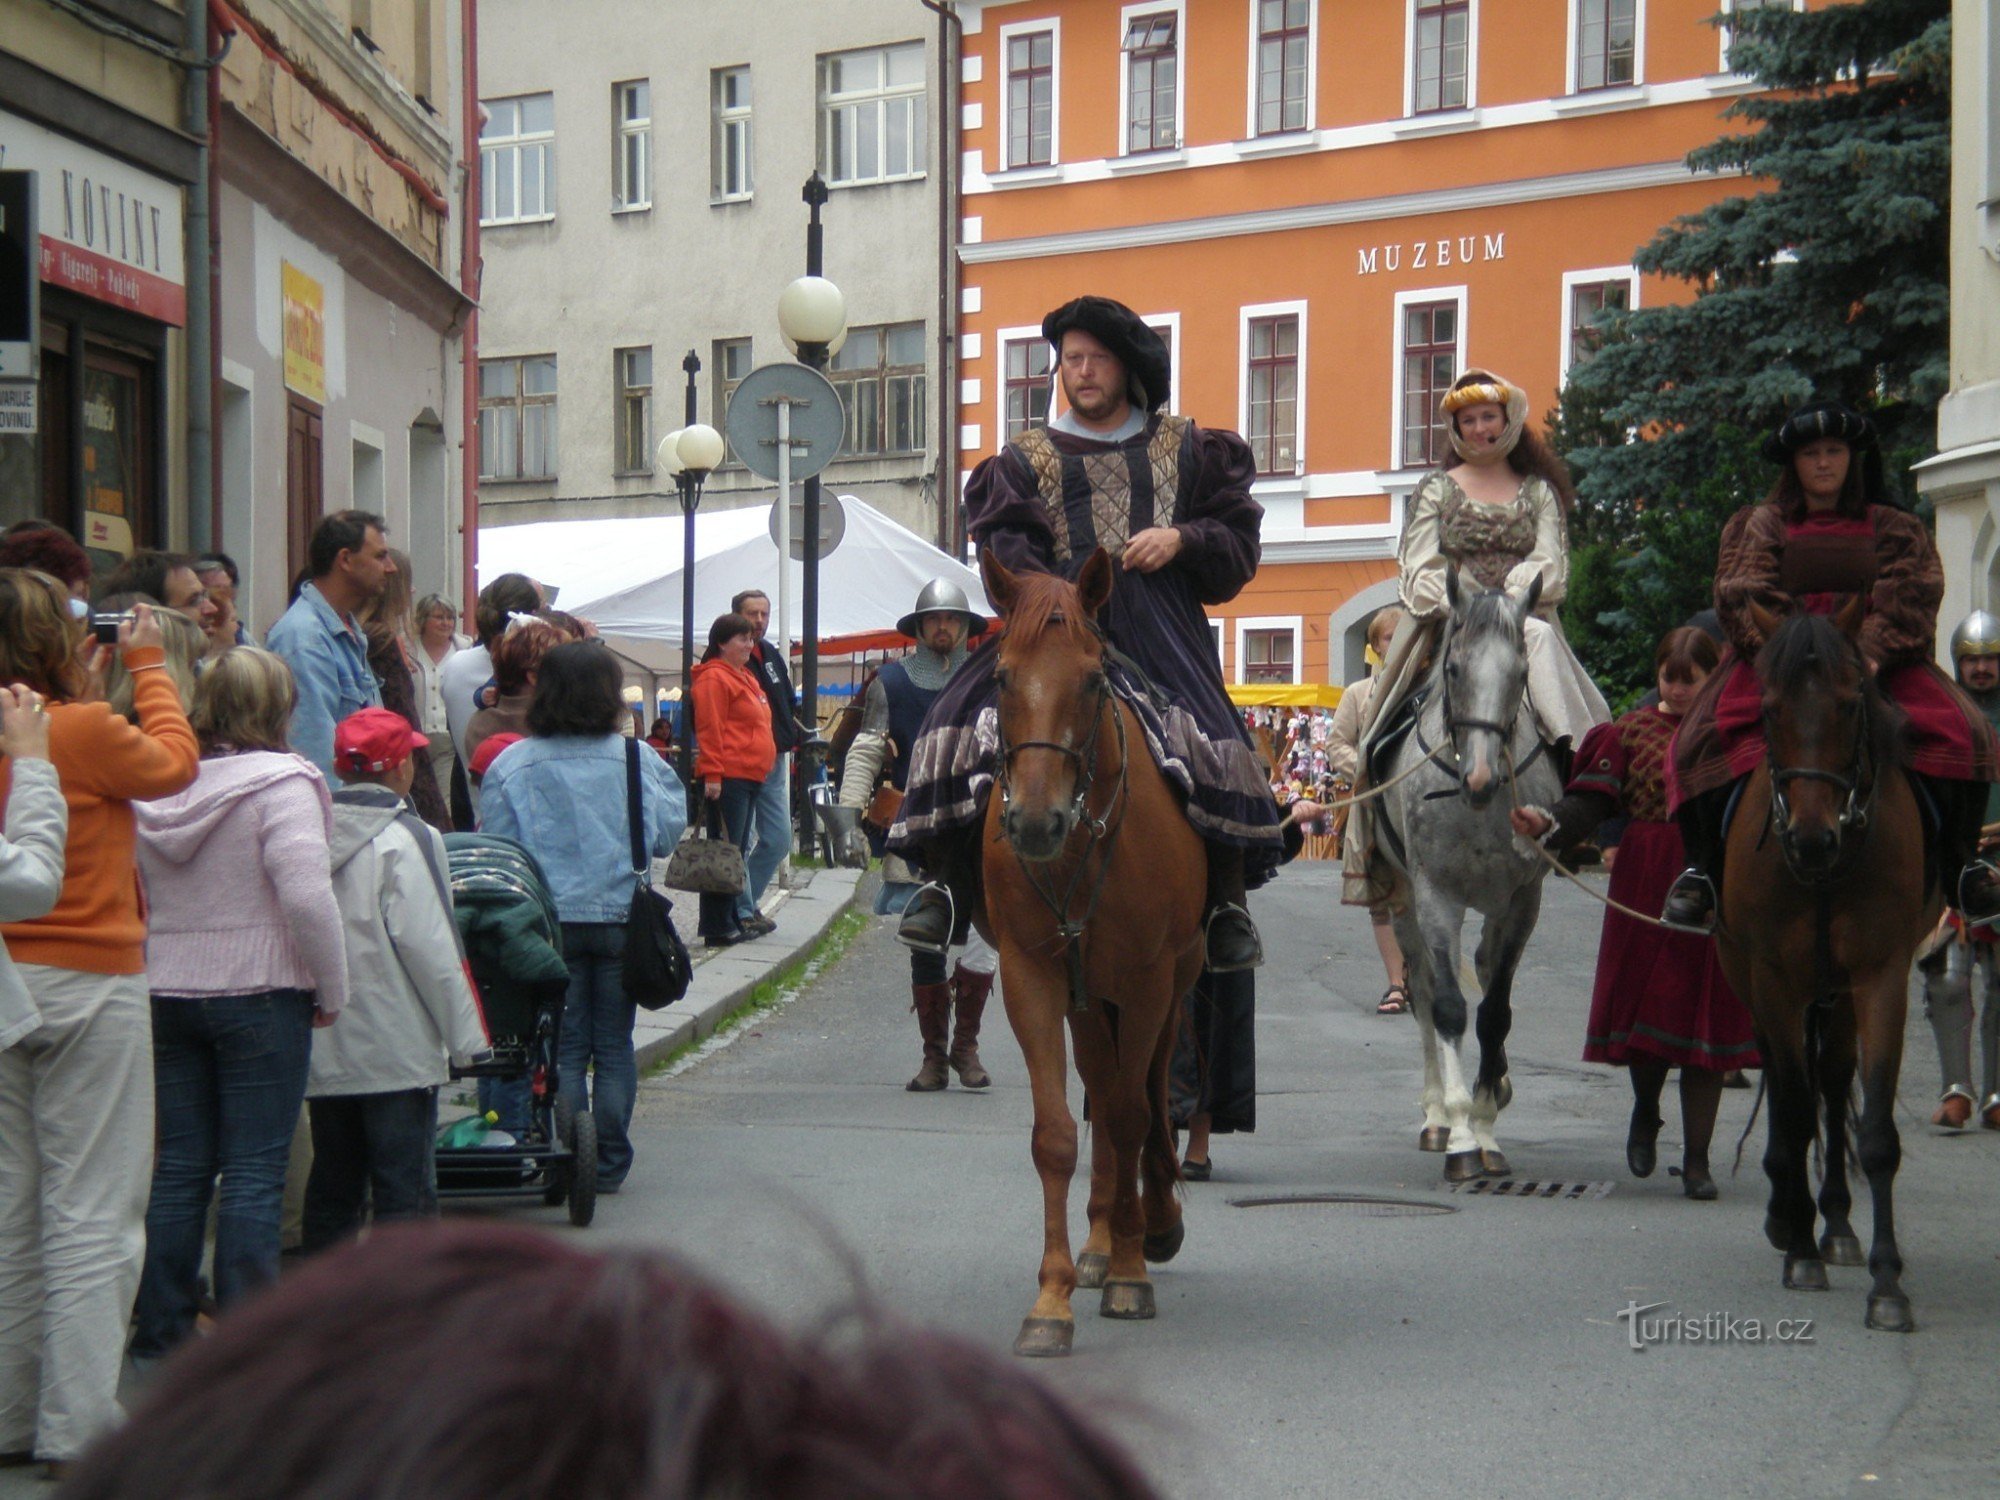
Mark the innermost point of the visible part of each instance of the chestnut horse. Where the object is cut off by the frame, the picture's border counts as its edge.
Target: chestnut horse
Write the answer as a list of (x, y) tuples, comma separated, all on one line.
[(1826, 894), (1094, 889)]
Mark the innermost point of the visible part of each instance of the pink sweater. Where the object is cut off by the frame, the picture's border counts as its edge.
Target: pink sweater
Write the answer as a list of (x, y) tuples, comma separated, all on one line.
[(240, 882)]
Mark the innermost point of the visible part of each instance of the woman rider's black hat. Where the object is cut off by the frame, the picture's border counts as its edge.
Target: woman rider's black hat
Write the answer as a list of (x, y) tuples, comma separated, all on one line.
[(1822, 419)]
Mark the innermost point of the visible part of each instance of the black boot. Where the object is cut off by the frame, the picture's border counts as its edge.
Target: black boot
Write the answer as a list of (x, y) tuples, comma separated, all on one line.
[(928, 920), (1233, 943), (939, 916), (1696, 895)]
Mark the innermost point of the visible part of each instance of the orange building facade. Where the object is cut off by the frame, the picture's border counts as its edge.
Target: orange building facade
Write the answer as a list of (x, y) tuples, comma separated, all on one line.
[(1330, 207)]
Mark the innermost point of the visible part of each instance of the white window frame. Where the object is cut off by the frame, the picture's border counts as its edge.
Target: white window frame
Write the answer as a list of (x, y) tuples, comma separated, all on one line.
[(513, 147), (721, 121), (1215, 629), (878, 98), (1571, 280), (1403, 300), (1052, 25), (1410, 62), (1312, 77), (1244, 317), (1296, 624), (620, 391), (1026, 333), (1126, 16), (624, 130), (1170, 324), (1575, 8), (1728, 7), (519, 403)]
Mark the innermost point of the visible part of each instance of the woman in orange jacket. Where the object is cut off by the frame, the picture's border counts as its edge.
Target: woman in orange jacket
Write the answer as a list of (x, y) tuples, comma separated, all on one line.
[(734, 752), (76, 1093)]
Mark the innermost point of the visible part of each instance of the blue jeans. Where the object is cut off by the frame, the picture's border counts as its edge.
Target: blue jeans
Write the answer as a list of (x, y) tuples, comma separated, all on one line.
[(737, 803), (597, 1034), (230, 1074), (771, 823), (379, 1147)]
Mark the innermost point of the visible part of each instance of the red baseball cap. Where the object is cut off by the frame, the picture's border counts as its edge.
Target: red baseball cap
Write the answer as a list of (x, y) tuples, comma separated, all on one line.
[(489, 751), (374, 739)]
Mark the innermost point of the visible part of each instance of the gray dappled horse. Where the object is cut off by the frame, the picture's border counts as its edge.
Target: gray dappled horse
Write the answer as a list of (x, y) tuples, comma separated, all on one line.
[(1445, 831)]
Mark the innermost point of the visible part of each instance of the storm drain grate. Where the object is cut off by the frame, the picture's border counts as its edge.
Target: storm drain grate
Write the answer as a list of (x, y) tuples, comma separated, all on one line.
[(1354, 1203), (1554, 1192)]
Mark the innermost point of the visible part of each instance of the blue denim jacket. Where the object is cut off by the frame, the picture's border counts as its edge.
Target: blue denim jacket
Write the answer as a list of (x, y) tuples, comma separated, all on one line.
[(564, 798), (329, 661)]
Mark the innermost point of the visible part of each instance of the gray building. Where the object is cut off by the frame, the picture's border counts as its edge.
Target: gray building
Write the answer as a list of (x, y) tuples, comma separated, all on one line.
[(642, 168)]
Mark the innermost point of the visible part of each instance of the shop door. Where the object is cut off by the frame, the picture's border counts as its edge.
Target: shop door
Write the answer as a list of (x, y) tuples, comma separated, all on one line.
[(305, 468), (116, 440)]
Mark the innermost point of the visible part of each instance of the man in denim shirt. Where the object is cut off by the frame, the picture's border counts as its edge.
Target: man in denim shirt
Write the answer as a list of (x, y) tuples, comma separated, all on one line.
[(319, 637)]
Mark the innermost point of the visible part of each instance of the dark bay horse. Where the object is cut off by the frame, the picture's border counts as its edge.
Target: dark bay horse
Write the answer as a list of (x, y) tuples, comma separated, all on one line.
[(1826, 894), (1094, 887)]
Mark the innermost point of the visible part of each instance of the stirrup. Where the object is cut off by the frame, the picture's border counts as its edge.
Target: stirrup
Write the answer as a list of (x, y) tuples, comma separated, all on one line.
[(1255, 957), (1979, 915), (1691, 877), (921, 938)]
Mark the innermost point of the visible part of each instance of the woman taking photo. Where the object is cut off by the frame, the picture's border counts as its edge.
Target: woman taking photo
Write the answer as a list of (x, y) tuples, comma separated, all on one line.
[(245, 960), (734, 752), (562, 793), (76, 1093)]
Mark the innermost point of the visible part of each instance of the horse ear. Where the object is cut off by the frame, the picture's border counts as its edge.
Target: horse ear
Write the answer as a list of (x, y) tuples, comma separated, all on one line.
[(1451, 586), (1847, 619), (998, 581), (1525, 606), (1093, 584), (1765, 621)]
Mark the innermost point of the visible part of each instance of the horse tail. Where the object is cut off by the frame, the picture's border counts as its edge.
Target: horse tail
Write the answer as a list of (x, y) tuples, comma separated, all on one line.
[(1756, 1108)]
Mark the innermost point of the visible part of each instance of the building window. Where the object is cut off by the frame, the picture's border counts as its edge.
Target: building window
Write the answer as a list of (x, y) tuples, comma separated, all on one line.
[(871, 115), (1031, 99), (1027, 367), (1606, 43), (517, 418), (632, 178), (1284, 58), (1588, 302), (517, 160), (729, 133), (879, 372), (1272, 379), (1737, 7), (1267, 656), (1430, 364), (1442, 63), (730, 359), (1152, 82), (1165, 329), (633, 371)]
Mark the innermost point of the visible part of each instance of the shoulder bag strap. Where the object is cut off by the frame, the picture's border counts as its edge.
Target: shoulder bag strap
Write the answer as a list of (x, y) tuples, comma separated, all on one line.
[(641, 866)]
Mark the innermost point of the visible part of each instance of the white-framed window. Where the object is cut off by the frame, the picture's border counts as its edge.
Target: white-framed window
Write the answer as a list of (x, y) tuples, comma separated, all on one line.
[(1215, 634), (879, 373), (1586, 296), (1030, 93), (632, 172), (1430, 352), (1732, 7), (1607, 44), (729, 135), (632, 377), (730, 360), (1026, 380), (1283, 34), (1272, 400), (871, 115), (1168, 327), (517, 160), (1268, 647), (1149, 81), (517, 417), (1443, 47)]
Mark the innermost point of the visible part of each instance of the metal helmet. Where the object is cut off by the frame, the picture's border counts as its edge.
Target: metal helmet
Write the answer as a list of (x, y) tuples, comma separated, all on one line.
[(942, 596), (1978, 634)]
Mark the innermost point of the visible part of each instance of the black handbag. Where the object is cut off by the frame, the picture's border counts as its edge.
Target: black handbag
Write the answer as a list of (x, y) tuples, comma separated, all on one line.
[(658, 967)]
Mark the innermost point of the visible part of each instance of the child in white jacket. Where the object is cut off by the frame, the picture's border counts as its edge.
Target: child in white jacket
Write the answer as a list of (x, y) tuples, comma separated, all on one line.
[(411, 1007)]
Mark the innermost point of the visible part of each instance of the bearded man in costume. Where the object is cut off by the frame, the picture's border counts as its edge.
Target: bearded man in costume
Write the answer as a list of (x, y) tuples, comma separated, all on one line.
[(1170, 501)]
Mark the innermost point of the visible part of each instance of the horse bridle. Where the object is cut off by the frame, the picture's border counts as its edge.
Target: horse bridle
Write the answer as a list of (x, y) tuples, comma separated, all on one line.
[(1453, 722), (1854, 812)]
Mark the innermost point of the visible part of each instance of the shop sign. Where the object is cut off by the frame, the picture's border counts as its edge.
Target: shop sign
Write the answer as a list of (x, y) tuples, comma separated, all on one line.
[(17, 408), (108, 230), (20, 317), (305, 333)]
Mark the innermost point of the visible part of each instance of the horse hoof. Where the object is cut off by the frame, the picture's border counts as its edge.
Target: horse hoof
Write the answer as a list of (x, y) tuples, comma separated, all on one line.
[(1091, 1269), (1776, 1233), (1462, 1166), (1841, 1250), (1503, 1093), (1803, 1275), (1044, 1338), (1494, 1163), (1164, 1246), (1128, 1299), (1889, 1312), (1434, 1138)]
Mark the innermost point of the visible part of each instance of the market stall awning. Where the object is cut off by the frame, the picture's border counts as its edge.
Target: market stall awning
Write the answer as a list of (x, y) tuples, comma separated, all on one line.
[(1284, 694)]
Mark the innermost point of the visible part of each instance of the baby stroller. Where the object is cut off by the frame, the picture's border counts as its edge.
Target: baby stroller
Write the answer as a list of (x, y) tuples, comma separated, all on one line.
[(513, 941)]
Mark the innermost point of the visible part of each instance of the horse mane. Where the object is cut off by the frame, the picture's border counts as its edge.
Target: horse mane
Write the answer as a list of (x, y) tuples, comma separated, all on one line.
[(1489, 612), (1807, 648), (1043, 602)]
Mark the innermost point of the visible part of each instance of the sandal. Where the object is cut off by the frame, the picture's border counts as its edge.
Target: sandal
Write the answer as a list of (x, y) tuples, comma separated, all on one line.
[(1395, 1000), (1197, 1171)]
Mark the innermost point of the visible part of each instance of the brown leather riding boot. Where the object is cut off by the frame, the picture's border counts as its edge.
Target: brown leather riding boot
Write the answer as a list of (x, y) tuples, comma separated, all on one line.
[(969, 991), (932, 1003)]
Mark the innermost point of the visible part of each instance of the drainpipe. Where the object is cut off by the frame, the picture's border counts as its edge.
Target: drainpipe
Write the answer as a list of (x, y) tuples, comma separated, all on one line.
[(200, 333), (948, 538), (469, 277)]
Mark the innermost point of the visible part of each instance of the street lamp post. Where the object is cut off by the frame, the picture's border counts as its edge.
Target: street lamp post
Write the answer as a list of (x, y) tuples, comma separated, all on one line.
[(686, 455)]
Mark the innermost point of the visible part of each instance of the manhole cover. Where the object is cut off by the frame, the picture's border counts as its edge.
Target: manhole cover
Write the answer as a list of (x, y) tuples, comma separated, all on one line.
[(1553, 1192), (1353, 1203)]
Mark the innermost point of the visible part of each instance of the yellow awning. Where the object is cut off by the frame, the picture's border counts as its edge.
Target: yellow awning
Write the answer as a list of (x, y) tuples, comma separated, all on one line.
[(1284, 694)]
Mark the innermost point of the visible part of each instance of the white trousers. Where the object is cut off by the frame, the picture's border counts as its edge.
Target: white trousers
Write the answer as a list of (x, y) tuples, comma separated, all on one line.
[(76, 1166)]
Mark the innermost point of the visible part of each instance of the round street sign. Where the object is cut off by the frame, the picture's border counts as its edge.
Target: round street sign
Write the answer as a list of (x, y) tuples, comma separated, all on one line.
[(817, 422), (832, 525)]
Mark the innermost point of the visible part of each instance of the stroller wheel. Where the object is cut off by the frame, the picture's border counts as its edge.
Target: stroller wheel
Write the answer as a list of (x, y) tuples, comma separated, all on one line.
[(583, 1172), (562, 1173)]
